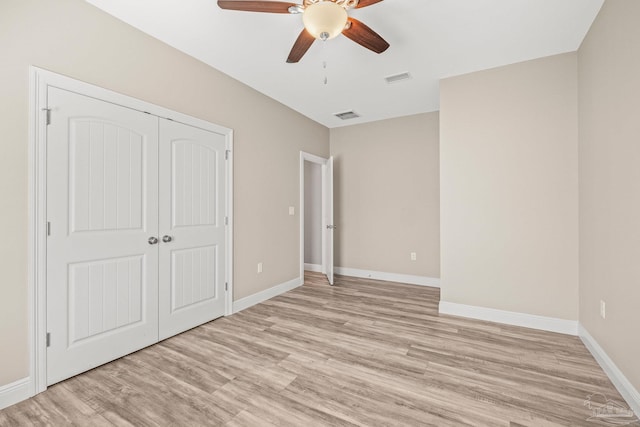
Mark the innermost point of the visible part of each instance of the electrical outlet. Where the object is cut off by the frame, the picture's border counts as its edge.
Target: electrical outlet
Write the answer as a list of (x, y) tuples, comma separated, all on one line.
[(259, 267), (603, 309), (292, 210), (414, 256)]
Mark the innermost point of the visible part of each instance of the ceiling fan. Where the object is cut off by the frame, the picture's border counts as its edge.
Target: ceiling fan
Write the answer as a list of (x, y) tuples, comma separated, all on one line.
[(323, 19)]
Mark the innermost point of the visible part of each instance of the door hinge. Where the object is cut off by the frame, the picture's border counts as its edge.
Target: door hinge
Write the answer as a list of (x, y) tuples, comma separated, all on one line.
[(48, 115), (226, 286), (226, 154), (226, 220), (48, 339), (48, 228)]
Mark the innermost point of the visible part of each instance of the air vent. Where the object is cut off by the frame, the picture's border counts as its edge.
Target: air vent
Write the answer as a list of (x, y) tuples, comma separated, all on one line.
[(347, 115), (397, 78)]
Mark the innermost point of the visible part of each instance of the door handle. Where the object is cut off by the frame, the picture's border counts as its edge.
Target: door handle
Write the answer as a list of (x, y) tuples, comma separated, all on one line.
[(332, 227), (152, 240), (167, 238)]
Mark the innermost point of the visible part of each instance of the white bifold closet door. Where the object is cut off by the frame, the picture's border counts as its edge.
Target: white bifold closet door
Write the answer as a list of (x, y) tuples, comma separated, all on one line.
[(136, 242)]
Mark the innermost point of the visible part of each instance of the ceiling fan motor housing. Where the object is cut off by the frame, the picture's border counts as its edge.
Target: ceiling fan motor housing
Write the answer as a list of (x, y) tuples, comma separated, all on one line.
[(347, 4)]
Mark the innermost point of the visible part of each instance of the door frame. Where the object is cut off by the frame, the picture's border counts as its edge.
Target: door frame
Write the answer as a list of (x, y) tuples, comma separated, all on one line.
[(323, 162), (39, 82)]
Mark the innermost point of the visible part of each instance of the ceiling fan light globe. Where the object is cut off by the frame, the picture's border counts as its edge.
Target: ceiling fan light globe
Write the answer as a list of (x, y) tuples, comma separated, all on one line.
[(325, 17)]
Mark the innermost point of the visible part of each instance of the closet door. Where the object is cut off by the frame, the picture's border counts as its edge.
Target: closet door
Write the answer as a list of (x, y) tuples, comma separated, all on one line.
[(192, 227), (102, 207)]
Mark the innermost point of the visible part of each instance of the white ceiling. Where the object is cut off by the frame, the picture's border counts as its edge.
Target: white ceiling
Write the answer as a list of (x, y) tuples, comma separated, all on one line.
[(430, 39)]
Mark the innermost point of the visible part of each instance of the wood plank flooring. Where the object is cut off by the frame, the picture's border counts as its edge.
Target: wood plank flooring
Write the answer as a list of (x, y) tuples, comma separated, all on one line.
[(363, 352)]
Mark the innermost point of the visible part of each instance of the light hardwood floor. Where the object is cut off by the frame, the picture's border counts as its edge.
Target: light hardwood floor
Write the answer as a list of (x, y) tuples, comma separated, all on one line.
[(362, 352)]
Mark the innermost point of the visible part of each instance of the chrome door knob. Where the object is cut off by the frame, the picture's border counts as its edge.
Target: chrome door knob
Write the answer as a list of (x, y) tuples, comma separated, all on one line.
[(152, 240), (166, 238)]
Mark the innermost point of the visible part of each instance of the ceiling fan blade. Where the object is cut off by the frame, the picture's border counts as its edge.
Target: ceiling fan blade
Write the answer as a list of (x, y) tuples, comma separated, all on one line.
[(365, 36), (365, 3), (256, 6), (300, 47)]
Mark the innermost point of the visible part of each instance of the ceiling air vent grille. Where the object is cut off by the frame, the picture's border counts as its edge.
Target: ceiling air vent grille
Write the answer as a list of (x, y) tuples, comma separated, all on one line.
[(397, 78), (347, 115)]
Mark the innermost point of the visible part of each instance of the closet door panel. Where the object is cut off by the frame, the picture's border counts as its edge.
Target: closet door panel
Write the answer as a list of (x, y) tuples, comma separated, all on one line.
[(192, 226), (102, 206)]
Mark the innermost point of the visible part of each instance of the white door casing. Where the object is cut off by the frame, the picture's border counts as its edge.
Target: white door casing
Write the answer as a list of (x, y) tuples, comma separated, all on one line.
[(192, 227), (102, 204)]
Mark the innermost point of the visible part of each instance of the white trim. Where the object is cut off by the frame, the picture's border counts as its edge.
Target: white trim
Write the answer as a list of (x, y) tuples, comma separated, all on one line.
[(619, 380), (228, 307), (40, 80), (551, 324), (37, 273), (251, 300), (15, 392), (390, 277), (49, 78), (317, 268)]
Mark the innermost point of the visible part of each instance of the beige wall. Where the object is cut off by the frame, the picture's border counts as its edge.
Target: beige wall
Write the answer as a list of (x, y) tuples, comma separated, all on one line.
[(509, 188), (609, 93), (386, 195), (73, 38)]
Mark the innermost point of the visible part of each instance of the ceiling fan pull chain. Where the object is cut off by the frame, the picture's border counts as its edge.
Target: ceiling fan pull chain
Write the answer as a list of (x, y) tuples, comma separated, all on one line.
[(324, 65), (324, 62)]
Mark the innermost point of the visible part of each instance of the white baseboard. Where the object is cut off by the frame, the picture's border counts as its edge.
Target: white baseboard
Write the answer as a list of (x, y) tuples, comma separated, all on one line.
[(562, 326), (624, 386), (313, 267), (246, 302), (15, 392), (390, 277)]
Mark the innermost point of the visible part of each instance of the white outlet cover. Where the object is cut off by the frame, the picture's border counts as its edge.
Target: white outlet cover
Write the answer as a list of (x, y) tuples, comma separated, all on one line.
[(292, 210)]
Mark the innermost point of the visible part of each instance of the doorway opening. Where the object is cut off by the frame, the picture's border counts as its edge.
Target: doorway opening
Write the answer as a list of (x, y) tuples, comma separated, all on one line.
[(313, 217), (316, 215)]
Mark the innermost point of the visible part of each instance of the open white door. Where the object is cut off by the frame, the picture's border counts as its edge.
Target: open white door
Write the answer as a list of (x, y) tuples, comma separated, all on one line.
[(328, 215)]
